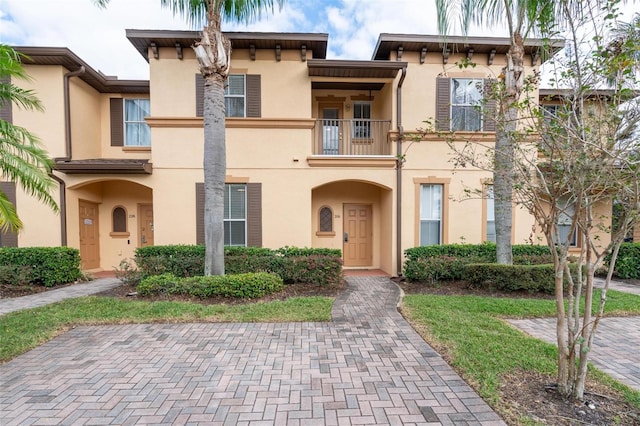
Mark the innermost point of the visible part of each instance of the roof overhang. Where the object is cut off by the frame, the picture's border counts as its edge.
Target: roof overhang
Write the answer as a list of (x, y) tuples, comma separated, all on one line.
[(314, 42), (66, 58), (99, 166), (460, 44), (351, 73)]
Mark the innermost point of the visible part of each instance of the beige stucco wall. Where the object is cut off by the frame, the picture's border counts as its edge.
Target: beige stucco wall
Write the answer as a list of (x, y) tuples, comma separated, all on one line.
[(86, 120)]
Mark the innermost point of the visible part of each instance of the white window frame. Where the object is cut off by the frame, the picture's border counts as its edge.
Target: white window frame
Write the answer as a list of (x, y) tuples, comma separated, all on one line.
[(565, 217), (427, 210), (227, 213), (242, 96), (137, 123), (477, 107), (490, 213)]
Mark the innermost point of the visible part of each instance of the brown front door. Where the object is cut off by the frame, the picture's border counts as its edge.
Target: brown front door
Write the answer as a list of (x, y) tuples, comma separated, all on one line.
[(145, 224), (358, 235), (89, 235)]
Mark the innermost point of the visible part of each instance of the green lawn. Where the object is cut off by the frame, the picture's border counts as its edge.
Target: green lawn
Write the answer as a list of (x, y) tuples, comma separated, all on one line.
[(24, 330), (483, 347)]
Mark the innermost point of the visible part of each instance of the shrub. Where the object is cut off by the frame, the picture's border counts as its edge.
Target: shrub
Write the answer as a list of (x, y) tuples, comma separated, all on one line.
[(433, 269), (628, 262), (48, 266), (532, 278), (288, 251), (128, 273), (293, 264), (446, 262), (246, 286), (312, 269)]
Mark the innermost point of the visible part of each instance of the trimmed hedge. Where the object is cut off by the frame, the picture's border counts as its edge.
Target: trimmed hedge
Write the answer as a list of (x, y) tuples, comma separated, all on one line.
[(244, 286), (447, 262), (48, 266), (295, 265), (628, 261), (531, 278)]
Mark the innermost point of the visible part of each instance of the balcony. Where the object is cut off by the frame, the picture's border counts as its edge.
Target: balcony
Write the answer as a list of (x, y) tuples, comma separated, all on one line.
[(351, 137)]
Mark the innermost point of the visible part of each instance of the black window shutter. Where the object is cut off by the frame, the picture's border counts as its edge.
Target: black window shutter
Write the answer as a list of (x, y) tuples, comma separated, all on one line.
[(443, 103), (199, 213), (9, 239), (6, 112), (489, 113), (117, 122), (199, 95), (254, 214), (254, 104)]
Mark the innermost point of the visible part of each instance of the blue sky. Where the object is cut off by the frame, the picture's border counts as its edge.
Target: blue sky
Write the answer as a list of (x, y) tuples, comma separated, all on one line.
[(98, 35)]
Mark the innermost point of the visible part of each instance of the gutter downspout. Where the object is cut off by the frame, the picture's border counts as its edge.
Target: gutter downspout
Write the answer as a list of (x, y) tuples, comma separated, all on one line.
[(399, 162), (67, 157)]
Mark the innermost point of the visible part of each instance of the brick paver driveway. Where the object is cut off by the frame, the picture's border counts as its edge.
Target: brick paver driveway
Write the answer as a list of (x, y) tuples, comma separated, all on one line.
[(368, 366)]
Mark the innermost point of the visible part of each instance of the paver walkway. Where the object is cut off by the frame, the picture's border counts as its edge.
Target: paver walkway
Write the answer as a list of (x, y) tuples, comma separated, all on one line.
[(615, 347), (58, 294), (368, 366)]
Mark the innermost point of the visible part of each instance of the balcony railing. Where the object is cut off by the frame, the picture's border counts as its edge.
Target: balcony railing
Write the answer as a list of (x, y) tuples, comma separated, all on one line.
[(352, 137)]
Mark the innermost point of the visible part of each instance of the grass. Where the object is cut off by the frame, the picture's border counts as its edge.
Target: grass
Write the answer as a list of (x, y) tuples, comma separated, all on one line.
[(24, 330), (483, 347)]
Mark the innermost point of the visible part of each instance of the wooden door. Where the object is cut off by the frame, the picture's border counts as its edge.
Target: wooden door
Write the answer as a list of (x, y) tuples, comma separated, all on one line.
[(358, 235), (89, 235), (145, 225)]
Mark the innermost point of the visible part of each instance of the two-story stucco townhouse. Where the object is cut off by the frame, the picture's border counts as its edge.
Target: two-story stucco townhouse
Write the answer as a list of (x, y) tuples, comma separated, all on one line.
[(312, 147)]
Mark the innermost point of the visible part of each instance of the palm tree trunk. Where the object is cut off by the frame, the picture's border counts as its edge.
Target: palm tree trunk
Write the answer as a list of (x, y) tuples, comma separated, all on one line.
[(504, 152), (213, 53), (214, 174)]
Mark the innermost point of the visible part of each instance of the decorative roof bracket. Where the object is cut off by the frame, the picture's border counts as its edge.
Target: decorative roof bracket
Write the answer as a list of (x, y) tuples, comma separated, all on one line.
[(470, 53), (303, 52), (154, 49), (492, 56), (179, 50), (278, 52), (423, 54), (400, 50), (445, 55), (252, 52)]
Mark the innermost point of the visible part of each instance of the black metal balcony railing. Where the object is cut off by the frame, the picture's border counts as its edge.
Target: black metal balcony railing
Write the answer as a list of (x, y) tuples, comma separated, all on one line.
[(352, 137)]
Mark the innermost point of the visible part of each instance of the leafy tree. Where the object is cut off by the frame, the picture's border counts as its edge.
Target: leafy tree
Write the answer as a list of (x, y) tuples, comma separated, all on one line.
[(213, 53), (522, 18), (573, 155), (22, 158)]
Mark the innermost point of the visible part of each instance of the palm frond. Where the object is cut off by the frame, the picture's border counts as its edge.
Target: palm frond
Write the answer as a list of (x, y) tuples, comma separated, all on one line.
[(9, 220)]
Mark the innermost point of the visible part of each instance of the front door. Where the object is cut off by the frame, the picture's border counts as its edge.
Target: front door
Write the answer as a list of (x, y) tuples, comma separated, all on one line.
[(358, 235), (145, 225), (89, 235)]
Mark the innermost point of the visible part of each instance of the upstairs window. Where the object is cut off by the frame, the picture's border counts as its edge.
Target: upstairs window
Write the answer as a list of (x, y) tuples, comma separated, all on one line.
[(466, 104), (136, 130), (234, 95), (461, 105), (565, 218)]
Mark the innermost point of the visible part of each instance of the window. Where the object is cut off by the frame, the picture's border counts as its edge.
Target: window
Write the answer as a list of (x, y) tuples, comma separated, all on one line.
[(119, 217), (430, 214), (490, 214), (466, 104), (235, 215), (234, 95), (460, 105), (136, 130), (565, 218), (362, 120), (325, 222)]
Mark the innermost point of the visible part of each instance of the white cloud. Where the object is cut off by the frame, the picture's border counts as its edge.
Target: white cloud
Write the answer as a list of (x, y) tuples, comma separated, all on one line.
[(98, 35)]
